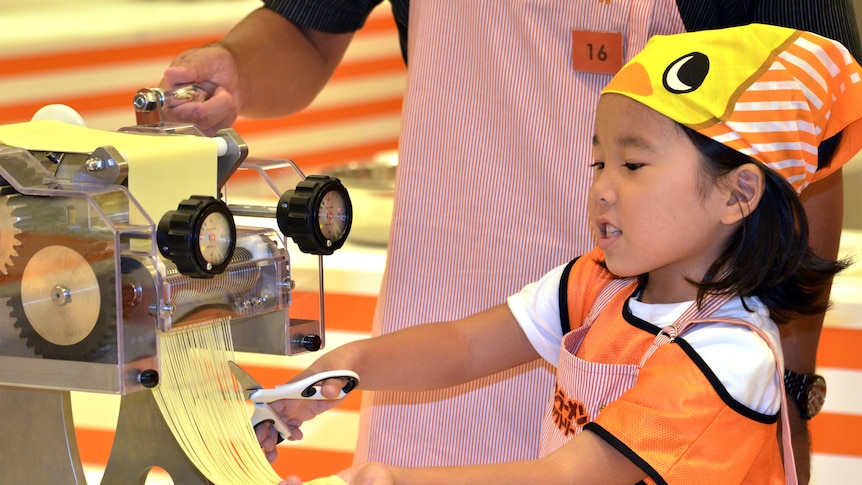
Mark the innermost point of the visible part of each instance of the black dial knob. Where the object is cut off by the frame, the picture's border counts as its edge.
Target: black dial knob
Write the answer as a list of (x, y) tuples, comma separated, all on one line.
[(311, 342), (149, 378), (317, 215), (199, 237)]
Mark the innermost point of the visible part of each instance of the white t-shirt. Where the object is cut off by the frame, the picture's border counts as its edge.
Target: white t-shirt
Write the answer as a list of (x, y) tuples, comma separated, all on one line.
[(740, 359)]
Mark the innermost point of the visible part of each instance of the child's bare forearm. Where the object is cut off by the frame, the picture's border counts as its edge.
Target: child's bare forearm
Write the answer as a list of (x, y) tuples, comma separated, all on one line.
[(433, 356)]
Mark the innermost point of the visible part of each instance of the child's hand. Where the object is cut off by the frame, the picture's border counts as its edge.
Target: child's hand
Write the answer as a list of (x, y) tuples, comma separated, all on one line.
[(294, 412)]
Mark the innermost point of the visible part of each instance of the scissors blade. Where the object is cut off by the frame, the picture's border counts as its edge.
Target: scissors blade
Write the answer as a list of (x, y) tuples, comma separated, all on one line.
[(248, 383)]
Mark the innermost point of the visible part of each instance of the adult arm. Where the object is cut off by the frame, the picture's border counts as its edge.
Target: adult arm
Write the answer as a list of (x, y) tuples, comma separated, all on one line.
[(266, 66), (824, 206), (281, 66)]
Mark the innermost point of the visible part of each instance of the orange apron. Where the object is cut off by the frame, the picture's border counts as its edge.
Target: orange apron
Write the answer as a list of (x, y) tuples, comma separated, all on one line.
[(583, 387)]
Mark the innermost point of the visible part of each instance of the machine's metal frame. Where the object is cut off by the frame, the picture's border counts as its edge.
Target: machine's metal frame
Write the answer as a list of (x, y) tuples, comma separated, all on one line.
[(38, 442)]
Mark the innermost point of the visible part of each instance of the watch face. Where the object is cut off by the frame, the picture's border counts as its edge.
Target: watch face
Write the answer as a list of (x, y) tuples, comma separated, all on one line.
[(215, 238), (332, 215), (816, 396)]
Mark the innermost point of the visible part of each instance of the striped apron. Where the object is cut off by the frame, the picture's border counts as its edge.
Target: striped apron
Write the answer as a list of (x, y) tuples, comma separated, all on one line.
[(491, 193), (584, 387)]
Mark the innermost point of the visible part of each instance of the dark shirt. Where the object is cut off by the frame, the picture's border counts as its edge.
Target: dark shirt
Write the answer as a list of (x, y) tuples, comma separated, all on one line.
[(834, 19), (340, 16)]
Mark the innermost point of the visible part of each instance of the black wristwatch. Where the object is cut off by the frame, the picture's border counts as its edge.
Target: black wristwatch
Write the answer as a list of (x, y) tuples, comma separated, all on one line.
[(807, 390)]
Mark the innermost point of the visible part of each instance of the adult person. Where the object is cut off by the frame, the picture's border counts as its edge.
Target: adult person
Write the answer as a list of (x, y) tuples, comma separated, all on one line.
[(489, 160)]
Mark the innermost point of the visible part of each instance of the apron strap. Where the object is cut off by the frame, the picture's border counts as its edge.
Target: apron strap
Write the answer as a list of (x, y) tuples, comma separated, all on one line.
[(695, 315), (681, 326), (613, 287)]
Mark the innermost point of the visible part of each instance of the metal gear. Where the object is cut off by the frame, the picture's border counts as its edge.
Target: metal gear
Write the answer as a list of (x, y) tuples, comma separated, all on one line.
[(8, 235), (61, 284), (8, 230)]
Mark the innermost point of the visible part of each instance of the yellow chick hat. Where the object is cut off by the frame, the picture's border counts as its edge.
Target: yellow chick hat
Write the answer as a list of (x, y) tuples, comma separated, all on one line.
[(769, 92)]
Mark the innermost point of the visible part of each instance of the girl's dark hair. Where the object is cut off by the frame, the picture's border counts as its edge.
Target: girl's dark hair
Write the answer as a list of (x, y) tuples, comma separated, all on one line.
[(768, 256)]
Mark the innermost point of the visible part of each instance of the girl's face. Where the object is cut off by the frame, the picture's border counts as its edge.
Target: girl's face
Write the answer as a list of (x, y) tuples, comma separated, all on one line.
[(652, 207)]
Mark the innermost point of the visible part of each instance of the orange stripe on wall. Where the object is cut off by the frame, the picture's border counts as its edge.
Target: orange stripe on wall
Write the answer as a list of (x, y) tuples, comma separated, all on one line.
[(139, 51), (304, 119), (839, 347), (14, 113), (310, 464), (95, 448), (99, 57), (836, 434), (346, 312)]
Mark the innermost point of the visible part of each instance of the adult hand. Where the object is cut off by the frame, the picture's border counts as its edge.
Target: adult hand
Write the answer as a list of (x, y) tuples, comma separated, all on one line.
[(214, 68)]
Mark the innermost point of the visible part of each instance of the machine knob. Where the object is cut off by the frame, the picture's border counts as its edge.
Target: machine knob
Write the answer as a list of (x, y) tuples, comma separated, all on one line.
[(317, 215), (311, 342), (149, 378), (199, 237)]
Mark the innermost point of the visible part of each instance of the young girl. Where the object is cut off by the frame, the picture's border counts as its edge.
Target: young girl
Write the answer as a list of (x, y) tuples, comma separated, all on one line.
[(664, 336)]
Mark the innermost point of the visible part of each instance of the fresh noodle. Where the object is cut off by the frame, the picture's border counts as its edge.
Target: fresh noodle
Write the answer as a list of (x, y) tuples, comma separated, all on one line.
[(204, 406)]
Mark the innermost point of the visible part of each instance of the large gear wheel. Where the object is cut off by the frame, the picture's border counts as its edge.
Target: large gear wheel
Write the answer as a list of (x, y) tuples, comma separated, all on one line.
[(8, 230), (61, 285), (8, 235)]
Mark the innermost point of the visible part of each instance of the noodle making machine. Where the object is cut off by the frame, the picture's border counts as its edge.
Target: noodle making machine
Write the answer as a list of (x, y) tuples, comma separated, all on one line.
[(108, 238)]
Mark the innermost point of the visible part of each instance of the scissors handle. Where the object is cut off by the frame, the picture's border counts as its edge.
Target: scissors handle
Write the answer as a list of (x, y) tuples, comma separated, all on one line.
[(308, 388), (264, 413)]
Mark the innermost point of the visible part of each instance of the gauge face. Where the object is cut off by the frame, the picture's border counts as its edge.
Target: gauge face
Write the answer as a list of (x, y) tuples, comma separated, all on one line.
[(215, 239), (317, 215), (199, 237), (333, 215)]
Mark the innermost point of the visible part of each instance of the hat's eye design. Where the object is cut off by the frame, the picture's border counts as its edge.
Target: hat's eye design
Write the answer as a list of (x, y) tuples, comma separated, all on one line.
[(686, 74)]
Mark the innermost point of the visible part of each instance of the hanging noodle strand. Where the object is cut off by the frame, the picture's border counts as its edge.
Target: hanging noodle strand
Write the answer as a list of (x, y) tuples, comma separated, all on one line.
[(204, 407)]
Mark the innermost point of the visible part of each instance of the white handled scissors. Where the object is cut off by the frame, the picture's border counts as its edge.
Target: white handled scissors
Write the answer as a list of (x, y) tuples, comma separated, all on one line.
[(308, 388)]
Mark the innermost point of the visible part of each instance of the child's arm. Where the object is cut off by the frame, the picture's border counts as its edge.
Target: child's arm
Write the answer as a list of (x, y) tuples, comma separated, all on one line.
[(433, 356), (419, 358), (587, 459)]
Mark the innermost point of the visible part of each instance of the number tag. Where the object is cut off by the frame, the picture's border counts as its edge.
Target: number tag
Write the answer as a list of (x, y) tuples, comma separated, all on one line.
[(600, 52)]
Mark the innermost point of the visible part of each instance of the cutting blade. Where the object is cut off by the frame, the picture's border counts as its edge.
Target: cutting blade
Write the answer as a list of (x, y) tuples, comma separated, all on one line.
[(248, 383)]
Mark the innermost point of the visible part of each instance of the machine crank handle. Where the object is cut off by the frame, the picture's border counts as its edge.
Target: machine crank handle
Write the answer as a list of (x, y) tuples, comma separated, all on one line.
[(149, 102)]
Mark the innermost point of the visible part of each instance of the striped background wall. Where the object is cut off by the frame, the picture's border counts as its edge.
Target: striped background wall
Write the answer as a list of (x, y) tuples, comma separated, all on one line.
[(94, 57), (94, 61)]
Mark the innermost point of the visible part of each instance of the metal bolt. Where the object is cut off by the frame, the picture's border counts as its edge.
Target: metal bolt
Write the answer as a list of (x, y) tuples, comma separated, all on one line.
[(95, 164), (60, 295)]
